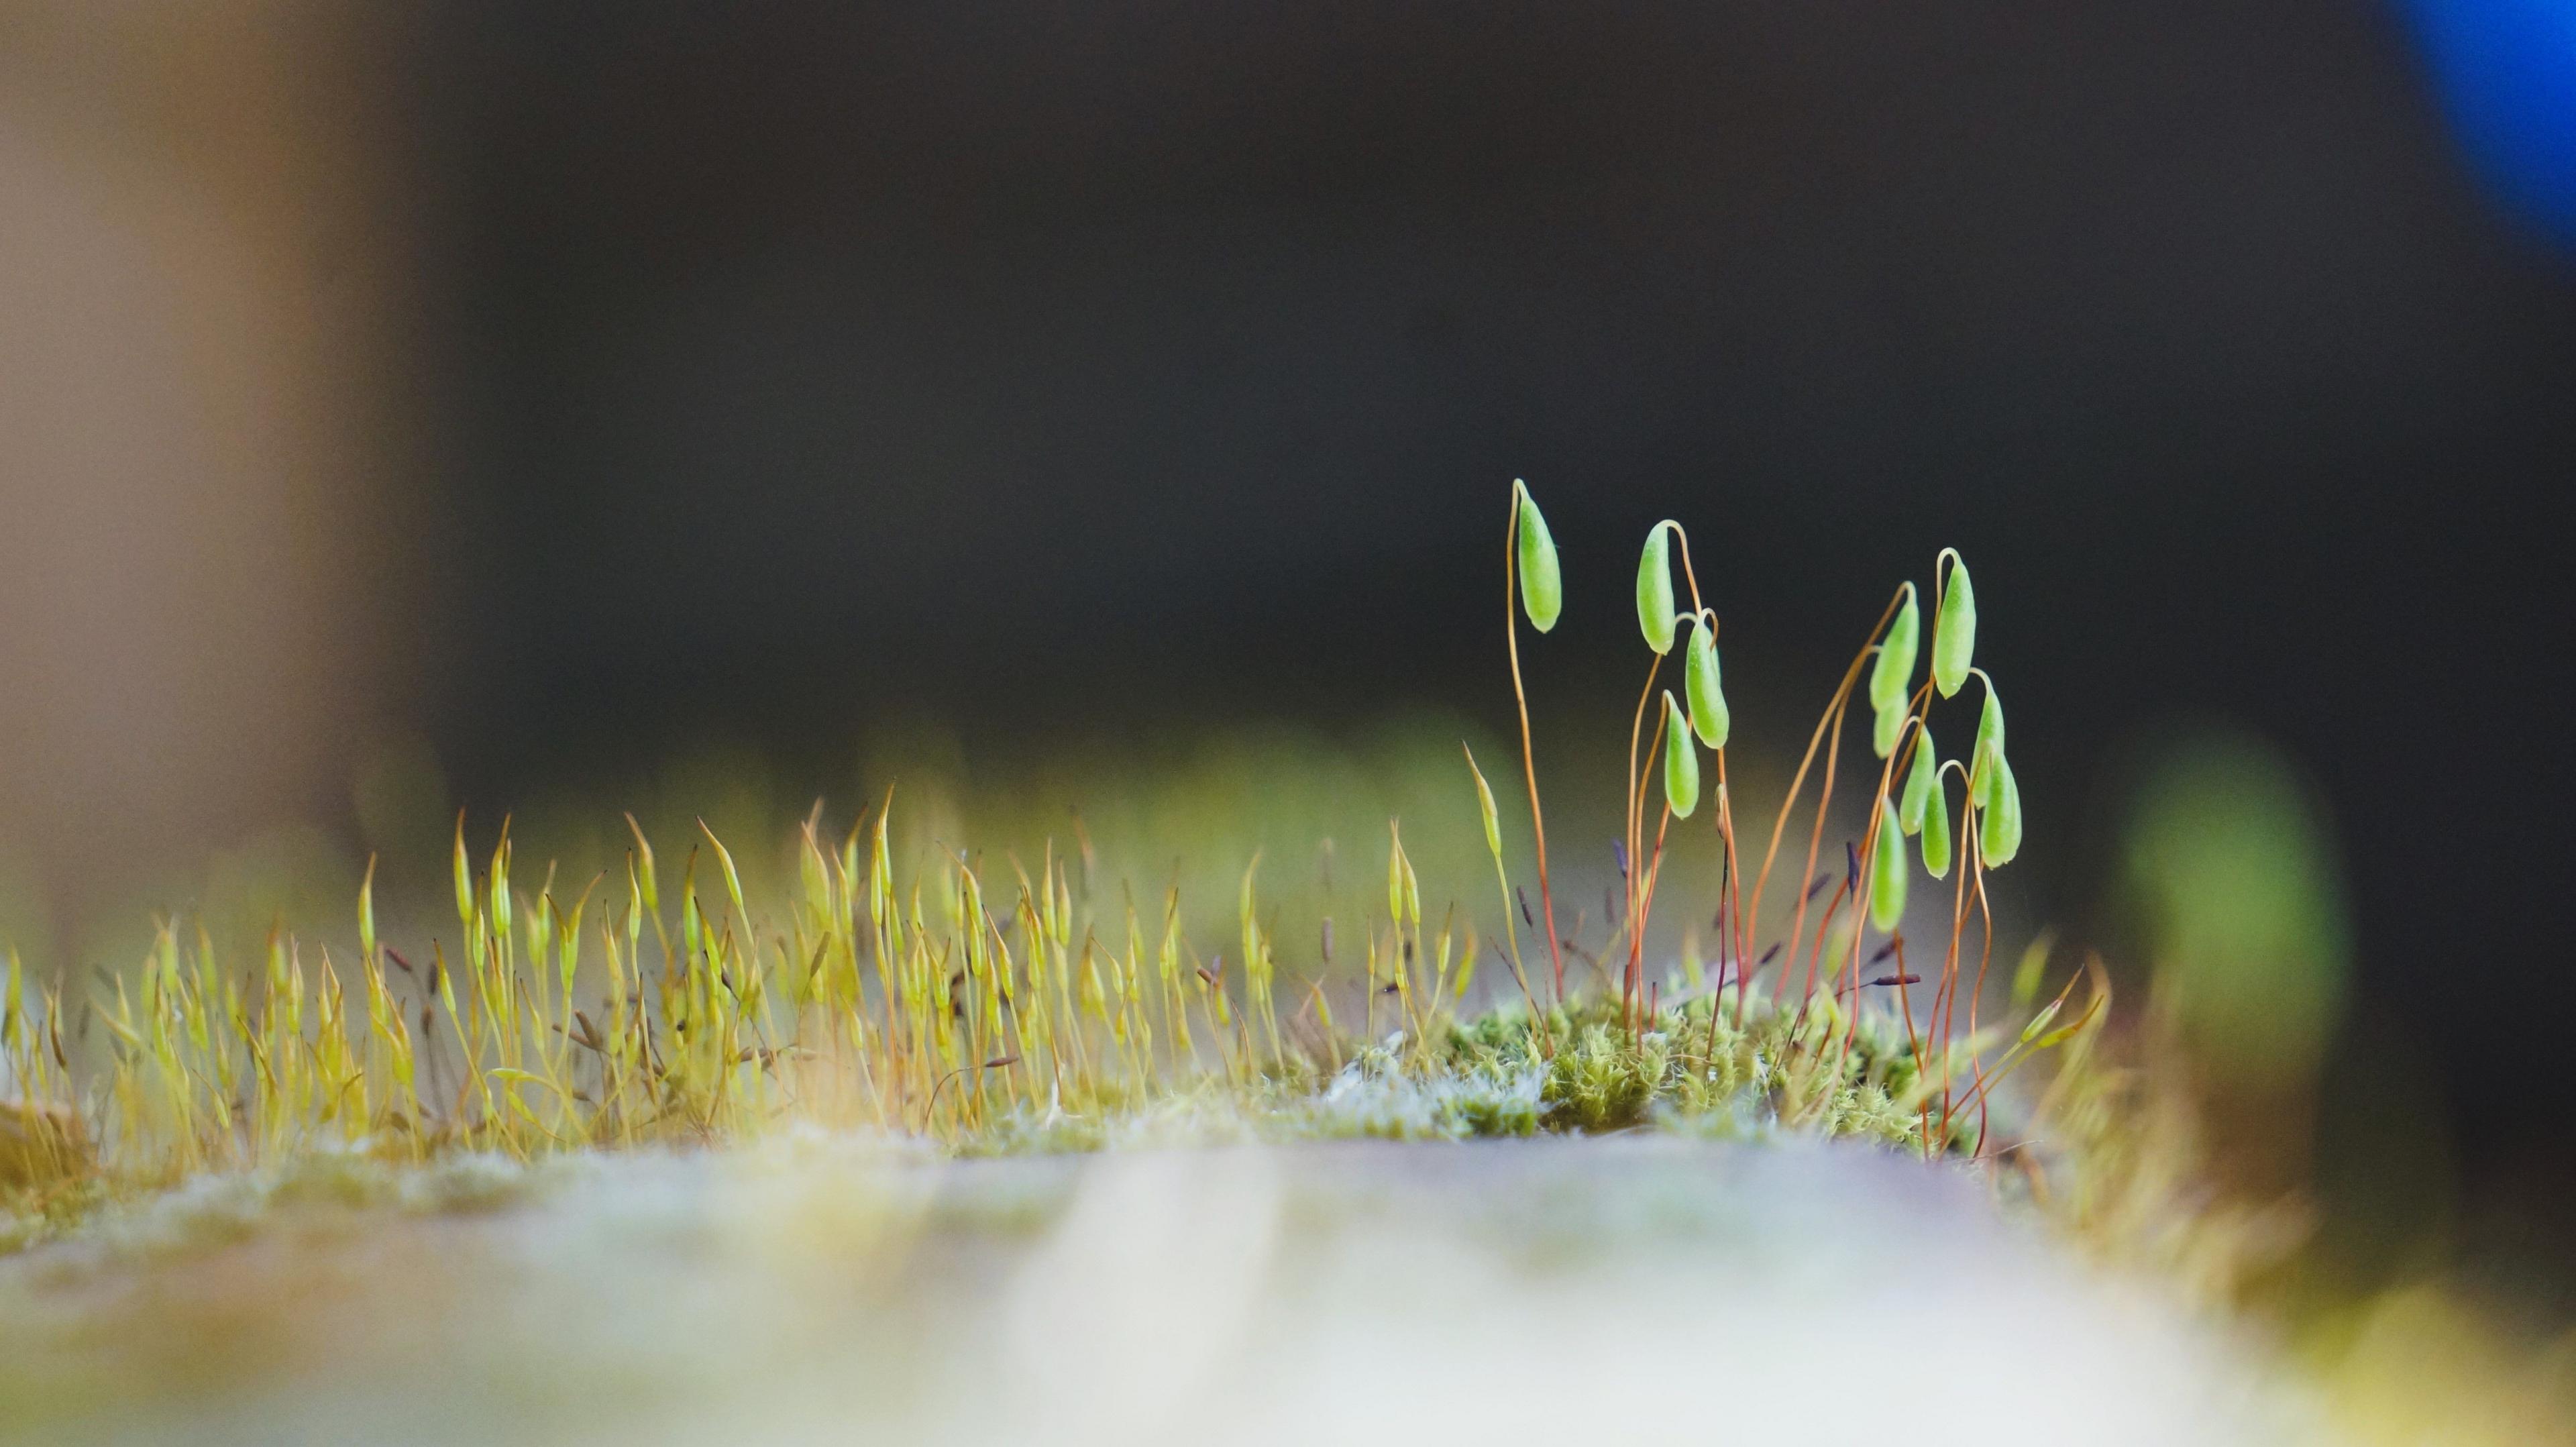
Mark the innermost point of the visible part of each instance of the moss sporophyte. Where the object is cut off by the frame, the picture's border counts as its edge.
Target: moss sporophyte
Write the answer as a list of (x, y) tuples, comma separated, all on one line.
[(979, 1006)]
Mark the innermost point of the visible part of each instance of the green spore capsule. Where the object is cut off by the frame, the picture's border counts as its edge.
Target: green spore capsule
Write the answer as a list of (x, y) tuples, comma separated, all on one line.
[(1954, 630), (1542, 588), (1919, 784), (1989, 751), (1999, 830), (1681, 761), (1655, 588), (1708, 715), (1887, 871), (1936, 832), (1892, 677), (1886, 729)]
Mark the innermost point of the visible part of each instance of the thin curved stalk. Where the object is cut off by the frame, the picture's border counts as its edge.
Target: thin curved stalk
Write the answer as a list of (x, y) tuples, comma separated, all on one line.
[(1529, 764)]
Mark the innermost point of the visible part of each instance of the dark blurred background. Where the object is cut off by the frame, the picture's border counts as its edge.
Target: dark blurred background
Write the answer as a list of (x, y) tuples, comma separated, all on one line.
[(565, 383)]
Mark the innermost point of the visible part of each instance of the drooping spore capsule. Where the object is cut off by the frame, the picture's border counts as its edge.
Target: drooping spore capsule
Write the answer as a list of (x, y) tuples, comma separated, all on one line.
[(1681, 761), (1988, 753), (1918, 783), (1954, 630), (1887, 875), (1708, 715), (1999, 830), (1936, 832), (1542, 588), (1655, 588), (1886, 728), (1891, 679)]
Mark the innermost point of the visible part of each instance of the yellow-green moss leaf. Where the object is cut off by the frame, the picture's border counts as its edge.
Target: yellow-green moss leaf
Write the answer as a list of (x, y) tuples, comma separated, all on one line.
[(1485, 806), (464, 877)]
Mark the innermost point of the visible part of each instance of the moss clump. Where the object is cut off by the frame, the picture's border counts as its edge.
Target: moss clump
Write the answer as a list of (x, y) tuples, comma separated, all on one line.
[(1763, 1066)]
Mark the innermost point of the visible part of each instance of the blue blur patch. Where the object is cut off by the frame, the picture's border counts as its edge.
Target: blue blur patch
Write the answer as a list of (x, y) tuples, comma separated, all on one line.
[(2507, 71)]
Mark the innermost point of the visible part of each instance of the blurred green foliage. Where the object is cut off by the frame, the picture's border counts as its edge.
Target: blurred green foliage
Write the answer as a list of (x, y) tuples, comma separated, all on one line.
[(2230, 866)]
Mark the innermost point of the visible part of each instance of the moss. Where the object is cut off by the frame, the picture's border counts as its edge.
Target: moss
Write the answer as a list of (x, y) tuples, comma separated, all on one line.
[(1489, 1075), (984, 1011)]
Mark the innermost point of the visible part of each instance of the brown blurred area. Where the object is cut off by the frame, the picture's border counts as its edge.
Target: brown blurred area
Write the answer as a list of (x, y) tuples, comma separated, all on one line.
[(203, 414)]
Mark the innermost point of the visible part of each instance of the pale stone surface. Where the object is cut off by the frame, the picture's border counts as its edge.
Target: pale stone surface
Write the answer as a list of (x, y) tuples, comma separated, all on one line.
[(1631, 1289)]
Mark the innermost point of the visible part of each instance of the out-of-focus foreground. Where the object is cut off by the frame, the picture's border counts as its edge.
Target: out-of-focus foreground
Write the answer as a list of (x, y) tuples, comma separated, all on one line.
[(1626, 1290)]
